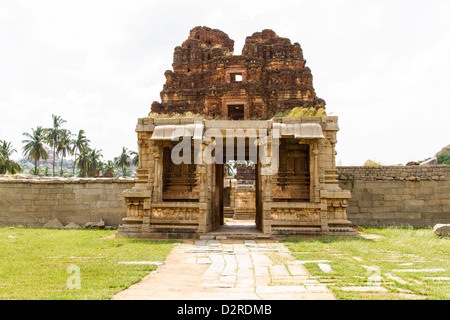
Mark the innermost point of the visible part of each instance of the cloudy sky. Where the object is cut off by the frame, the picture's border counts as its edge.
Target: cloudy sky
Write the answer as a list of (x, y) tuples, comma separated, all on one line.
[(383, 67)]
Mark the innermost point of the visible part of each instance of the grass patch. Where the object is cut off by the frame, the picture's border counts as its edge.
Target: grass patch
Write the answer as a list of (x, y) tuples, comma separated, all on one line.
[(34, 263), (359, 262)]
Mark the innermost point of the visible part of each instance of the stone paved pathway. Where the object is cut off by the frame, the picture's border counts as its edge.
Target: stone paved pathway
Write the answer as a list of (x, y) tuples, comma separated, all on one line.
[(228, 270)]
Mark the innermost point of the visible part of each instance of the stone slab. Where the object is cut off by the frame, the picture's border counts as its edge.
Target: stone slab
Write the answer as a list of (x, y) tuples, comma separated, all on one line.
[(235, 275)]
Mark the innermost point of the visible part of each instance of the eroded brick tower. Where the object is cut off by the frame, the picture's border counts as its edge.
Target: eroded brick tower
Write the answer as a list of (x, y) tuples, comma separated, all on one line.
[(269, 76)]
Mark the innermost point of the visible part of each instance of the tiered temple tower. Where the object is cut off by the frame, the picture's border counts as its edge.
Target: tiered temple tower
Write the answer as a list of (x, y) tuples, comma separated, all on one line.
[(239, 98)]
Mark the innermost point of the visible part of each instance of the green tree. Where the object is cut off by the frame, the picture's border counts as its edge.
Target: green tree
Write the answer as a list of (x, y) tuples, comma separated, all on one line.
[(108, 169), (94, 161), (64, 146), (232, 165), (123, 161), (34, 146), (88, 162), (53, 136), (135, 158), (6, 163), (82, 162), (443, 158), (78, 145)]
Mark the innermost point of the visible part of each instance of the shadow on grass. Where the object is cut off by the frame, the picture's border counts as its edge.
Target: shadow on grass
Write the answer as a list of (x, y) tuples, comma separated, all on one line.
[(149, 241), (328, 240)]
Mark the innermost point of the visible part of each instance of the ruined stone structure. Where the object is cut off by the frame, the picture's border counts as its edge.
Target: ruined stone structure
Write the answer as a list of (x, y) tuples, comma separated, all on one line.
[(270, 76), (236, 96)]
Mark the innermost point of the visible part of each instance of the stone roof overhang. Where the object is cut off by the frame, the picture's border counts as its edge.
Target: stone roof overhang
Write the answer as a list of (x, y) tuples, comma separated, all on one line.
[(298, 130), (244, 128), (173, 132)]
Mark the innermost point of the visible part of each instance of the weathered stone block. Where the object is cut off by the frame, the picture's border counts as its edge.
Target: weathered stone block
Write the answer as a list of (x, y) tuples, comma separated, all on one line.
[(442, 229), (407, 215)]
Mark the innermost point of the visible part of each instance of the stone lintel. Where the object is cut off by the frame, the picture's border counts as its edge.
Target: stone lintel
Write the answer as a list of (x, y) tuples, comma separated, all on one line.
[(335, 194), (295, 205), (176, 205)]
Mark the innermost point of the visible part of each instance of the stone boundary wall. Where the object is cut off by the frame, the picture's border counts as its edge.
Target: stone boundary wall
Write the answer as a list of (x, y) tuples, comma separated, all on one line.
[(32, 202), (418, 196), (381, 196)]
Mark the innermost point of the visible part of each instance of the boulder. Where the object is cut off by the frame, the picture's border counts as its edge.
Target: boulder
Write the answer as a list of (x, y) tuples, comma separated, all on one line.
[(95, 225), (442, 229), (72, 225), (54, 224)]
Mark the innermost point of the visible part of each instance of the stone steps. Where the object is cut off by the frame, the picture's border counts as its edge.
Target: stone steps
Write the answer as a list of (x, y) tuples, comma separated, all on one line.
[(237, 236)]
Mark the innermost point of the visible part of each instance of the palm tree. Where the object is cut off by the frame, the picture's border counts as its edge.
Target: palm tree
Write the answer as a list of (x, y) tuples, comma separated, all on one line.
[(123, 161), (53, 136), (230, 167), (79, 144), (7, 164), (108, 169), (64, 146), (135, 159), (82, 162), (94, 161), (34, 146), (88, 161), (2, 162)]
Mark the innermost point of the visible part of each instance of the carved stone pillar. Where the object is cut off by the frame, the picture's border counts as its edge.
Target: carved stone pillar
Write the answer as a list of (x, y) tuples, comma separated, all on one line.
[(203, 198), (333, 142), (158, 178), (315, 187), (325, 229)]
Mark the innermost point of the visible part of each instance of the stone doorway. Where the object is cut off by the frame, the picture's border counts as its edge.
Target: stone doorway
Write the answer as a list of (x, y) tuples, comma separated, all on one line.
[(237, 198), (236, 111)]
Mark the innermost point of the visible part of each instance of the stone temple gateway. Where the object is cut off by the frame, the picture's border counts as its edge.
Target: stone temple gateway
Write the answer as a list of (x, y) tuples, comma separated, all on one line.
[(234, 100)]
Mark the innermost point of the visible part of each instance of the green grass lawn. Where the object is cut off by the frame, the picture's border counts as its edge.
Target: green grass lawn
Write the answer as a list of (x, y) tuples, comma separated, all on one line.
[(34, 263), (360, 262)]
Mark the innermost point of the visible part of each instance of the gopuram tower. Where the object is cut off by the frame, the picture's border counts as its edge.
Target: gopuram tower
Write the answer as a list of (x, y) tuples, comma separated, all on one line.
[(215, 107)]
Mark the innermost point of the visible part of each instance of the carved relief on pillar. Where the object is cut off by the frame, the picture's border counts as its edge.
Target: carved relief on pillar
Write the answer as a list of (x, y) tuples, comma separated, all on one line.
[(337, 209), (203, 183), (135, 208), (293, 215), (174, 214)]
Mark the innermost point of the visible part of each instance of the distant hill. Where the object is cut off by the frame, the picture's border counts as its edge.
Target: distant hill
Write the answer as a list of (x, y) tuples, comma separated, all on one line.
[(441, 157)]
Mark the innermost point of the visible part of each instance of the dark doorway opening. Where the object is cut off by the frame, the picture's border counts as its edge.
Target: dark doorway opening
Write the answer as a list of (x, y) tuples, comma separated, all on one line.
[(236, 112)]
